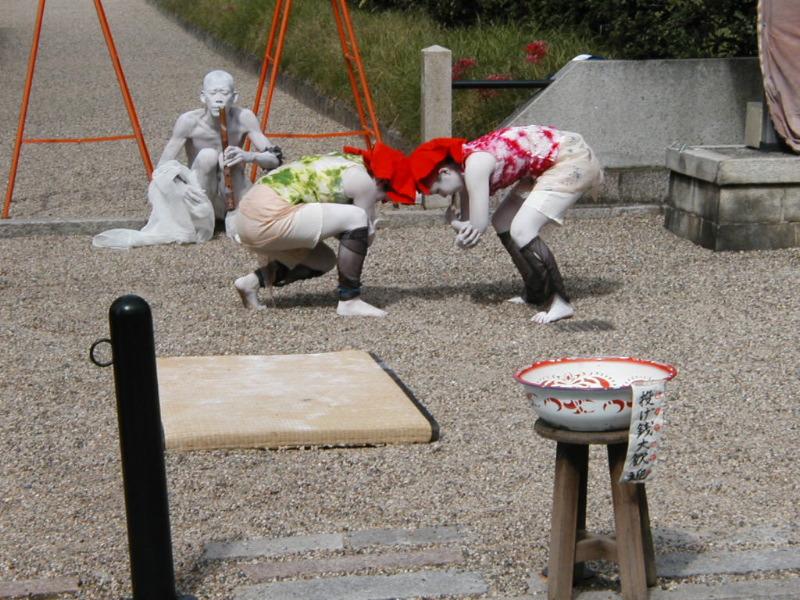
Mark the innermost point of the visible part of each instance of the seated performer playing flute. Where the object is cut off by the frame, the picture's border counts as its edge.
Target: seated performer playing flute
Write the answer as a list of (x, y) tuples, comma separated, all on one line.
[(198, 132), (287, 214)]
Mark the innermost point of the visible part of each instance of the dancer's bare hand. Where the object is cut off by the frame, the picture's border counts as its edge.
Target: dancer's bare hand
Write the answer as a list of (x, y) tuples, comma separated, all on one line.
[(468, 236), (234, 155)]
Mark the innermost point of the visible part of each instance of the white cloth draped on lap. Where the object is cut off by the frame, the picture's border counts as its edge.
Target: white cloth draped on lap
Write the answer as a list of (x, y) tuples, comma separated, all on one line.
[(174, 218)]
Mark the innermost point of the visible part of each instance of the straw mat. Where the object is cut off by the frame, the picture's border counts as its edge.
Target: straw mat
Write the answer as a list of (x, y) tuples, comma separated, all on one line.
[(347, 398)]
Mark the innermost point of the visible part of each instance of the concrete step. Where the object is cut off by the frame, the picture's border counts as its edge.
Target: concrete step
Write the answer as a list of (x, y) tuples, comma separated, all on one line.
[(356, 540), (772, 589), (425, 584)]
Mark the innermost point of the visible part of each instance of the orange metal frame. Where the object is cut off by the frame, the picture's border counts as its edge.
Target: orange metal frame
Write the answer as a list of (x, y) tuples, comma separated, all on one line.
[(355, 72), (23, 112)]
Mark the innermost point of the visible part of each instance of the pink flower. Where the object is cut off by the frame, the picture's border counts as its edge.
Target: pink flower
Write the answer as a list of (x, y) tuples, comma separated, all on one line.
[(536, 51), (462, 66), (490, 93)]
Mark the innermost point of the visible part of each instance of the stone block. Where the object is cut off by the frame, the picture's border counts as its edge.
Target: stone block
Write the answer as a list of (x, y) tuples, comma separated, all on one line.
[(734, 165), (610, 191), (27, 227), (273, 547), (791, 203), (687, 564), (756, 236), (740, 590), (750, 204), (752, 125), (39, 588), (642, 186), (698, 162), (751, 167), (426, 584), (403, 537), (693, 195), (690, 226), (351, 564)]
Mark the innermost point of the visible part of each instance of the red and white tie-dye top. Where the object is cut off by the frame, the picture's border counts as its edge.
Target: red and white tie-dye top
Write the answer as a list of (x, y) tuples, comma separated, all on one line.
[(519, 151)]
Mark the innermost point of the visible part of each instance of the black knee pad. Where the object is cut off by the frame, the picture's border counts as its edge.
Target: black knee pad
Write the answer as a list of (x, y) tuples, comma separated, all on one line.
[(355, 240), (350, 262)]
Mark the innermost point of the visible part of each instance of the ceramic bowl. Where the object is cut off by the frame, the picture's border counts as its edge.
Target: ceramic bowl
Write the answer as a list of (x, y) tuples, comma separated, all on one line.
[(588, 394)]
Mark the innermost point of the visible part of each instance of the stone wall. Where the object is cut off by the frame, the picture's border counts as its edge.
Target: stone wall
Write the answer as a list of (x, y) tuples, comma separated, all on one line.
[(631, 111)]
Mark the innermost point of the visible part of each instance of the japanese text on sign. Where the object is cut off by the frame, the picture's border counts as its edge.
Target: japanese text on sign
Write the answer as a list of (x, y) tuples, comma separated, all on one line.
[(646, 429)]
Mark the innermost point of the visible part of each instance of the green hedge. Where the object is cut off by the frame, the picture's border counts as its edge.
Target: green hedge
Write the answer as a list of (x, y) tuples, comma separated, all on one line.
[(390, 42), (630, 28)]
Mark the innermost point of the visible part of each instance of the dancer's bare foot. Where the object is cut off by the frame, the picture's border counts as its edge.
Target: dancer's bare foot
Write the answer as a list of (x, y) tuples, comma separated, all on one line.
[(559, 309), (248, 287), (356, 307)]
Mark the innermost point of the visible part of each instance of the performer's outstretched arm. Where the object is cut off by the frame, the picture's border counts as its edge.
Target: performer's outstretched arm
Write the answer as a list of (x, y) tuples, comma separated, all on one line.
[(477, 173)]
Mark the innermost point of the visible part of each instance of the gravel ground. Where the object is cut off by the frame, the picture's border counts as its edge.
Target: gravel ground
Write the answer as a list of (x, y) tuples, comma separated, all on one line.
[(733, 414), (728, 321)]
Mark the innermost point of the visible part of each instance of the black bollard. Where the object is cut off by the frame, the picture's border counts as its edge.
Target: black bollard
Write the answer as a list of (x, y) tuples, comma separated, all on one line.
[(142, 447)]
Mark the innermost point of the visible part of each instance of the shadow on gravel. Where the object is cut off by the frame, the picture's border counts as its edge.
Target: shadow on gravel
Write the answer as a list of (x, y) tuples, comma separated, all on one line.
[(480, 293)]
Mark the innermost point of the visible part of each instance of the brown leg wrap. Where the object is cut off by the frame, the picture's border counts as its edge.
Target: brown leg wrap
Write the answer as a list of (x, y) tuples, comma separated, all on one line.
[(545, 279)]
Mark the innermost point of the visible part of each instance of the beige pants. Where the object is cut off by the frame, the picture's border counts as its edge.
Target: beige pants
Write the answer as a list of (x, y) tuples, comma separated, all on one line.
[(276, 230), (575, 172)]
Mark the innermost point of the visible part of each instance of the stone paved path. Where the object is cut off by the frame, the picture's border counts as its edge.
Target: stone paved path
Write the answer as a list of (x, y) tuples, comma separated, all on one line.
[(433, 571)]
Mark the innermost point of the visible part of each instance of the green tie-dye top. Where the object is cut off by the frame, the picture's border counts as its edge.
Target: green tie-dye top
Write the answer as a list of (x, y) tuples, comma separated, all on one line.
[(312, 179)]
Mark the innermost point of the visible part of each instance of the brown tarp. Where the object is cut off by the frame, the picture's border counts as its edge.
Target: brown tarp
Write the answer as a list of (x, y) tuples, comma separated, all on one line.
[(779, 53)]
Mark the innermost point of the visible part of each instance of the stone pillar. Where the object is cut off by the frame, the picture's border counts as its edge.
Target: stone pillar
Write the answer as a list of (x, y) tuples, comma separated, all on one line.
[(436, 110)]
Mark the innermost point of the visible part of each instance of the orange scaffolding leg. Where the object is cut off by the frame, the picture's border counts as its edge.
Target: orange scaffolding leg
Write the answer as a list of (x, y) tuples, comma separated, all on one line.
[(23, 112), (355, 72), (123, 87), (352, 57), (272, 58), (269, 54)]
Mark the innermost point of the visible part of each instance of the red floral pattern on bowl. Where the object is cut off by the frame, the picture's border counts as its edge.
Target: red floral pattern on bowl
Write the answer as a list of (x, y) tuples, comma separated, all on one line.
[(588, 394)]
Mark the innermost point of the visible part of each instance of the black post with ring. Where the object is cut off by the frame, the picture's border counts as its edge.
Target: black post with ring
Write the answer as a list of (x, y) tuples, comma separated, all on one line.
[(142, 448)]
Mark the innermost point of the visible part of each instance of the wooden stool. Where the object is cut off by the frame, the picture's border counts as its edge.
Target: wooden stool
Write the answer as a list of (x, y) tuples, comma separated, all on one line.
[(570, 544)]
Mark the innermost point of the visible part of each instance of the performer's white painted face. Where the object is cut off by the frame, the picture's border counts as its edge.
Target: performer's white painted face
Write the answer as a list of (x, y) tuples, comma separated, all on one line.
[(448, 181), (218, 92)]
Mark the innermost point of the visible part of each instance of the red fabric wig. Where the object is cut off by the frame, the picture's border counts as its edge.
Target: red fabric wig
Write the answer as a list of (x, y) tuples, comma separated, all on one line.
[(428, 156), (390, 165)]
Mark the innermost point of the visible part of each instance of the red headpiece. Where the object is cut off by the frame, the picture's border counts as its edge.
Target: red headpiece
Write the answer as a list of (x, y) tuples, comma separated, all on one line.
[(388, 164), (431, 154)]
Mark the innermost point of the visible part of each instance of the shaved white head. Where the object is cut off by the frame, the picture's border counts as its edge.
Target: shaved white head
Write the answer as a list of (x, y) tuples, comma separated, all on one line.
[(217, 78)]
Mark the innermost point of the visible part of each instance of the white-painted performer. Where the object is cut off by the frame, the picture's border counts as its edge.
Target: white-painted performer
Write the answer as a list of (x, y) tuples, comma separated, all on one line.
[(549, 169), (287, 214), (198, 133)]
